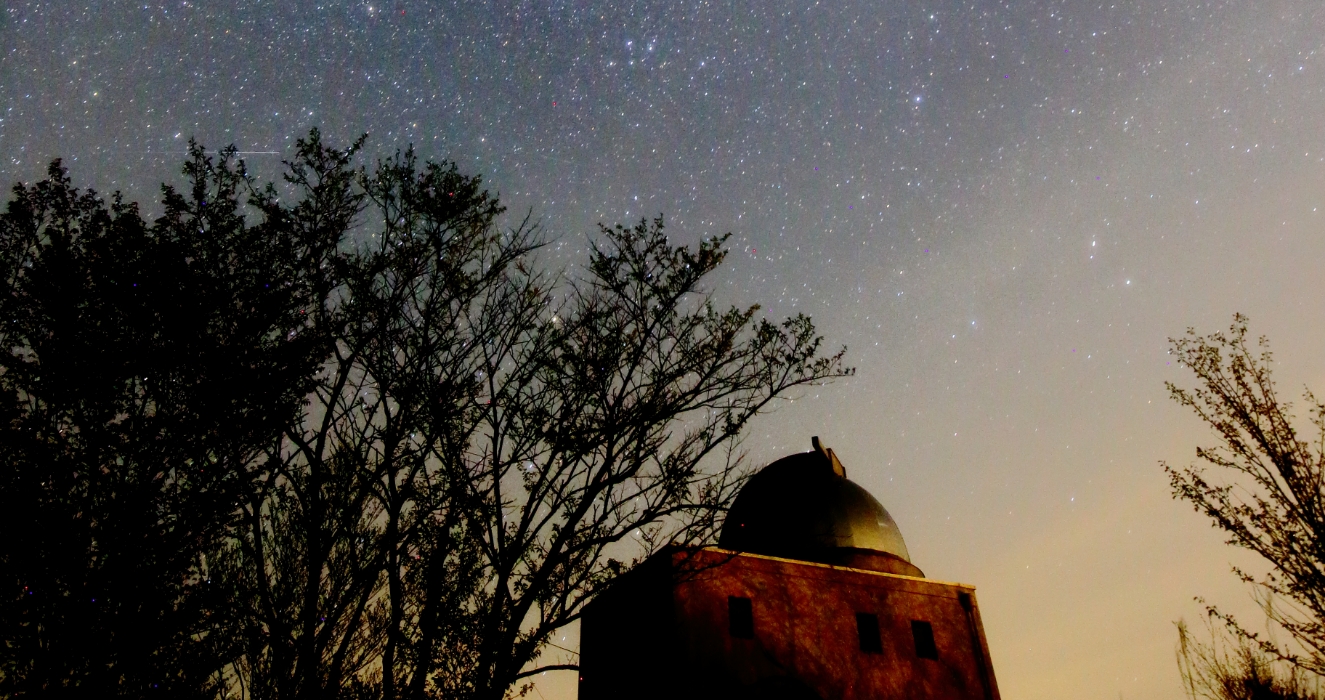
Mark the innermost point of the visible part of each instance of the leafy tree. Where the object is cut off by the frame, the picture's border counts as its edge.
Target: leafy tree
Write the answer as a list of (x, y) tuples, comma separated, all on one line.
[(1274, 504), (143, 368)]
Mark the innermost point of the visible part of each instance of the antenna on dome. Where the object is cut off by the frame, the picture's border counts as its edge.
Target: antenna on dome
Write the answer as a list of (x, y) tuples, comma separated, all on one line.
[(829, 455)]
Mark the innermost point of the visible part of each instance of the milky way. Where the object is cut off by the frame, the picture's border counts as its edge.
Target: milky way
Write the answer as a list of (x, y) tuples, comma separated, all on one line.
[(1002, 209)]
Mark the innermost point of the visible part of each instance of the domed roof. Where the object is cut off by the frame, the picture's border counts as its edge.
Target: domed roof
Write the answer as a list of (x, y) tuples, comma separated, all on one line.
[(803, 507)]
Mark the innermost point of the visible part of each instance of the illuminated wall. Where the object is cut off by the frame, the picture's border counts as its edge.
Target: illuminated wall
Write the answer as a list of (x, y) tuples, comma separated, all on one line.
[(716, 623)]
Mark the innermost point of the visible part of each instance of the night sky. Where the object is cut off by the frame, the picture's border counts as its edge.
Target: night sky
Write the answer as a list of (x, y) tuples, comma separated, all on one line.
[(1003, 209)]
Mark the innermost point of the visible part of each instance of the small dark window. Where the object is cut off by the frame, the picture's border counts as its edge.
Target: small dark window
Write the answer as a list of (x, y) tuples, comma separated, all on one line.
[(924, 636), (740, 618), (867, 626)]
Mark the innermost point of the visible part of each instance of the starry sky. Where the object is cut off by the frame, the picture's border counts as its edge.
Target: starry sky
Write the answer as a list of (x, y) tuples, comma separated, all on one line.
[(1003, 209)]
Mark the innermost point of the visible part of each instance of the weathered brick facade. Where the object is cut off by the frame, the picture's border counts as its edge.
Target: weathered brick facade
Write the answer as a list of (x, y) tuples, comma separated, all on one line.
[(811, 596), (666, 631)]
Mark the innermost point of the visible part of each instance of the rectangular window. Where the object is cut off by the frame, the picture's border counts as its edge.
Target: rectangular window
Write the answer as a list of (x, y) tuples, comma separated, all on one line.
[(740, 618), (867, 626), (923, 632)]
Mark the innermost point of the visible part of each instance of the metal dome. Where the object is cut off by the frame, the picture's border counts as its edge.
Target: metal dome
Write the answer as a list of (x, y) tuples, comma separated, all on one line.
[(803, 507)]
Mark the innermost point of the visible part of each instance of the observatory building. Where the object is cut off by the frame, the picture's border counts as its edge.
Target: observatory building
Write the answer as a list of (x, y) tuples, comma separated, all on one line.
[(809, 595)]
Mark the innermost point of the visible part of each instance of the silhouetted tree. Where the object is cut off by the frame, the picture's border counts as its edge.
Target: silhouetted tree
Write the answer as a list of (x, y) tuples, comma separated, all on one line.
[(346, 551), (486, 433), (144, 366), (368, 444), (1238, 669), (1273, 504), (609, 431)]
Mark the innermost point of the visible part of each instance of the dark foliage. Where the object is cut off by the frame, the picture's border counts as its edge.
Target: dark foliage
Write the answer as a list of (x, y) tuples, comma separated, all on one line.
[(1274, 504), (143, 367), (609, 431), (485, 434), (1240, 670), (367, 445), (346, 560)]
